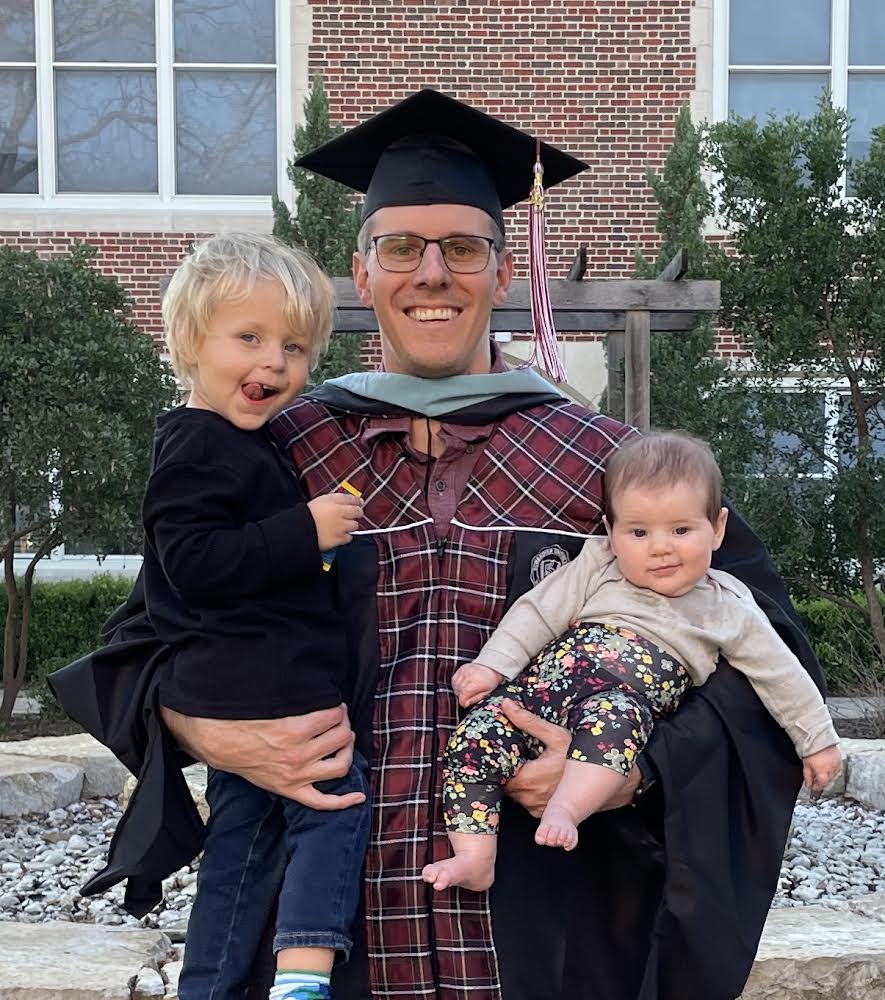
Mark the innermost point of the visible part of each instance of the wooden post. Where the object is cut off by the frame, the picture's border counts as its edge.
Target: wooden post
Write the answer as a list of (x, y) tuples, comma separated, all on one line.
[(637, 369), (614, 350)]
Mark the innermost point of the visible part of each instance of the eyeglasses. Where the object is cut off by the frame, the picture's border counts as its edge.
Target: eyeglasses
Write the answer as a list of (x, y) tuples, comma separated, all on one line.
[(462, 254)]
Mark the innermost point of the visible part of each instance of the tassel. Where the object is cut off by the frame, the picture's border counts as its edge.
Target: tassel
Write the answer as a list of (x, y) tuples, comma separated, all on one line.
[(545, 342)]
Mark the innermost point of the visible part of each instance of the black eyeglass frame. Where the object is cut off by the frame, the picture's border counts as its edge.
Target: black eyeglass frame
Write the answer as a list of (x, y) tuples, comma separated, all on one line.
[(426, 242)]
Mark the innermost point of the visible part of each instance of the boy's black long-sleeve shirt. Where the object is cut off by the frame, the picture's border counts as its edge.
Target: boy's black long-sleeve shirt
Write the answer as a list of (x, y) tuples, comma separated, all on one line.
[(233, 576)]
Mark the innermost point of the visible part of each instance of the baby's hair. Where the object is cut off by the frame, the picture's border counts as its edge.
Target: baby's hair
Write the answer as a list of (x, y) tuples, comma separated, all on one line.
[(225, 268), (663, 458)]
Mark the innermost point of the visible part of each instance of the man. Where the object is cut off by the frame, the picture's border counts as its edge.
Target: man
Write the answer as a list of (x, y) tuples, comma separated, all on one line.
[(476, 481)]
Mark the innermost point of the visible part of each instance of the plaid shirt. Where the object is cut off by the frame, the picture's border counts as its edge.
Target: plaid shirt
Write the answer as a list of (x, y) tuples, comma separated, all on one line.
[(437, 603)]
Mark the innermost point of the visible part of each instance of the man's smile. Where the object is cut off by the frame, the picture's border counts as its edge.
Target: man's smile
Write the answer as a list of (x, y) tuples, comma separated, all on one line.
[(427, 314)]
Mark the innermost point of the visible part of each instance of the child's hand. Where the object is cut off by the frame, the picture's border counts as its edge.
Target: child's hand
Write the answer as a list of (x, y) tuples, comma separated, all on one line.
[(819, 769), (335, 515), (472, 681)]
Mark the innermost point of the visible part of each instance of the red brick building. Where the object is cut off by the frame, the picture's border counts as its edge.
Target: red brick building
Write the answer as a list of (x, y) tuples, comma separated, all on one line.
[(139, 126)]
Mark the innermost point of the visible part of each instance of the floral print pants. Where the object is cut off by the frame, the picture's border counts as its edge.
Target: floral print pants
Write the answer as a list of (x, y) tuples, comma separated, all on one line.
[(605, 683)]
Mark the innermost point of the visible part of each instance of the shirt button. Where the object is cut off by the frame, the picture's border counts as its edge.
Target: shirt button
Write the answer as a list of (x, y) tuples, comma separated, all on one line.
[(440, 486), (469, 449)]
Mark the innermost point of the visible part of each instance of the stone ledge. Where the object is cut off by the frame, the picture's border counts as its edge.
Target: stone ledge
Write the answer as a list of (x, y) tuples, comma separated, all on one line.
[(62, 961), (103, 775), (815, 953), (37, 786)]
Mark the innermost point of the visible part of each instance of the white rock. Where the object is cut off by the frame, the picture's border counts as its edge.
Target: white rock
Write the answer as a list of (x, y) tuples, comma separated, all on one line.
[(74, 961), (865, 781), (817, 952), (103, 774), (172, 971), (149, 984), (36, 786)]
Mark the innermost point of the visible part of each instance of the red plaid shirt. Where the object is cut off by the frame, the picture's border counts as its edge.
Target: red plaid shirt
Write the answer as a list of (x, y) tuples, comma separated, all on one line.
[(540, 471)]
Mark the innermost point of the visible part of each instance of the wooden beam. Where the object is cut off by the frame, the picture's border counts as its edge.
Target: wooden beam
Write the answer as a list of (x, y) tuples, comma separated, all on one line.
[(520, 321), (599, 294), (677, 267), (637, 370)]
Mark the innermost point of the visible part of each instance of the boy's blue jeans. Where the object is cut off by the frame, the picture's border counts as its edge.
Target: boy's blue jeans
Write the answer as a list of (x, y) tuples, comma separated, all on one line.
[(254, 842)]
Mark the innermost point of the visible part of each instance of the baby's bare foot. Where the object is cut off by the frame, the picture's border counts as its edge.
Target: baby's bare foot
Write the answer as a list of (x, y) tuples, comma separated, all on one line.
[(557, 829), (467, 870)]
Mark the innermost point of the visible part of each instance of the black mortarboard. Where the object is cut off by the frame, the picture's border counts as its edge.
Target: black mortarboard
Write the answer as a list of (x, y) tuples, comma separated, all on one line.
[(433, 150)]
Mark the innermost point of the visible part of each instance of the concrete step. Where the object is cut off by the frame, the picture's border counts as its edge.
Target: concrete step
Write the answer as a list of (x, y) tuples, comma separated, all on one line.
[(103, 775), (814, 953), (61, 961)]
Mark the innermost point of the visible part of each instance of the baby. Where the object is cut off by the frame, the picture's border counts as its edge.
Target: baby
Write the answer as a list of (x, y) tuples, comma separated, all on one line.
[(608, 643)]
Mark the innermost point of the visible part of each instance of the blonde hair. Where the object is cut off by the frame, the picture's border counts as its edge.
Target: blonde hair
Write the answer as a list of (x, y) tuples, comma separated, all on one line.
[(663, 458), (226, 267)]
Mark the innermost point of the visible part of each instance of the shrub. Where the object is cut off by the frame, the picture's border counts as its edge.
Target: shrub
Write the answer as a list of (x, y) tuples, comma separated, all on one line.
[(844, 645), (67, 617)]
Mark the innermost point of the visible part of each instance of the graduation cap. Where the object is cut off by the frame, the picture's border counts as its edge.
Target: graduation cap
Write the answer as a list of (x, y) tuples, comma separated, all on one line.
[(433, 150)]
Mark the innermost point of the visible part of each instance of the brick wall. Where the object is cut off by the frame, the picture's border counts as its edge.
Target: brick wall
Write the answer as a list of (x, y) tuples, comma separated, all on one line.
[(137, 260), (604, 79)]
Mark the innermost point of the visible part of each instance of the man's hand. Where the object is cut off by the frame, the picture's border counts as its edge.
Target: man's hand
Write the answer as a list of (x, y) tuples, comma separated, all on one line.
[(537, 779), (473, 681), (283, 756), (336, 516), (819, 769)]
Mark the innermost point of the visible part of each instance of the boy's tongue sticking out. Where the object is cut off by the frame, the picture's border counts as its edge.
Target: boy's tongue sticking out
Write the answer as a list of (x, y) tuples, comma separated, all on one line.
[(256, 391)]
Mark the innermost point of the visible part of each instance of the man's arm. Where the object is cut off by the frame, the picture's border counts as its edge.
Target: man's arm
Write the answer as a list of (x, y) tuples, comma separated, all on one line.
[(284, 756)]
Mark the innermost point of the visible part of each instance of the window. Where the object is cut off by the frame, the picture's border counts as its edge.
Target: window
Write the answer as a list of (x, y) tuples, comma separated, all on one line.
[(777, 57), (155, 102)]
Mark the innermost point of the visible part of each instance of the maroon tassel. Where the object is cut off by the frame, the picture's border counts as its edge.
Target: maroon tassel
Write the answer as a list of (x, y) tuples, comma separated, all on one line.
[(545, 343)]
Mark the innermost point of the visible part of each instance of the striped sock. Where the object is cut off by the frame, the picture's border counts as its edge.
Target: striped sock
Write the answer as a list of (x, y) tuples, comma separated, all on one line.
[(295, 985)]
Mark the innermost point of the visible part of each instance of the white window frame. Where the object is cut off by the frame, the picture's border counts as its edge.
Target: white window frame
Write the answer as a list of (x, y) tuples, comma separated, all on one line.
[(833, 390), (838, 68), (48, 201)]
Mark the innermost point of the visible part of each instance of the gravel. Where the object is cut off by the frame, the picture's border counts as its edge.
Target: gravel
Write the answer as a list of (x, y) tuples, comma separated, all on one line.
[(45, 859), (836, 854)]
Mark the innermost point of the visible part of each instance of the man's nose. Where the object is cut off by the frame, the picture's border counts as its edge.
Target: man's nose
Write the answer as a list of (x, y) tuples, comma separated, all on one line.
[(432, 269)]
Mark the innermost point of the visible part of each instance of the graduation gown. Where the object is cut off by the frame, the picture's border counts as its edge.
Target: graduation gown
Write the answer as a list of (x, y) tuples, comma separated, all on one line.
[(663, 900)]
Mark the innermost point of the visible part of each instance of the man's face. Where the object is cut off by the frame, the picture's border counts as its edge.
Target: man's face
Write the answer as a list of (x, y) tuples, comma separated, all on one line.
[(433, 322)]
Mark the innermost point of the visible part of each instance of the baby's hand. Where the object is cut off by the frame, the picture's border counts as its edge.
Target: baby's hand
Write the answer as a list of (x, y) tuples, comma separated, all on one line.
[(819, 769), (335, 515), (472, 681)]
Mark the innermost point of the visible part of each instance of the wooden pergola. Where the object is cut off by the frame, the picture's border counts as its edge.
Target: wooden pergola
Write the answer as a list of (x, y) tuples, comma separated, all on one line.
[(627, 310)]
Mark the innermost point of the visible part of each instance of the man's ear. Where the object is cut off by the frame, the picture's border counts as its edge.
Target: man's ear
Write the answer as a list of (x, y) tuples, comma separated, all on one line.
[(361, 279), (719, 528), (503, 275)]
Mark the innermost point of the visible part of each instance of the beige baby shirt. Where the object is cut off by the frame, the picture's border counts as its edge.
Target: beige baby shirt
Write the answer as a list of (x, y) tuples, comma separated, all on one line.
[(719, 615)]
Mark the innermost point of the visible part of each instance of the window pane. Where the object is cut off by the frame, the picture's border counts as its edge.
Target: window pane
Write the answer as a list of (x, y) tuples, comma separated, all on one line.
[(779, 32), (106, 31), (18, 131), (218, 31), (846, 434), (225, 132), (866, 105), (761, 94), (107, 130), (866, 33), (783, 450), (17, 30)]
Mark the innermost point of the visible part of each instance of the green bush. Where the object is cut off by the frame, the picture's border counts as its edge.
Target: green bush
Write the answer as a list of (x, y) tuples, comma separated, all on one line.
[(66, 617), (844, 645)]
